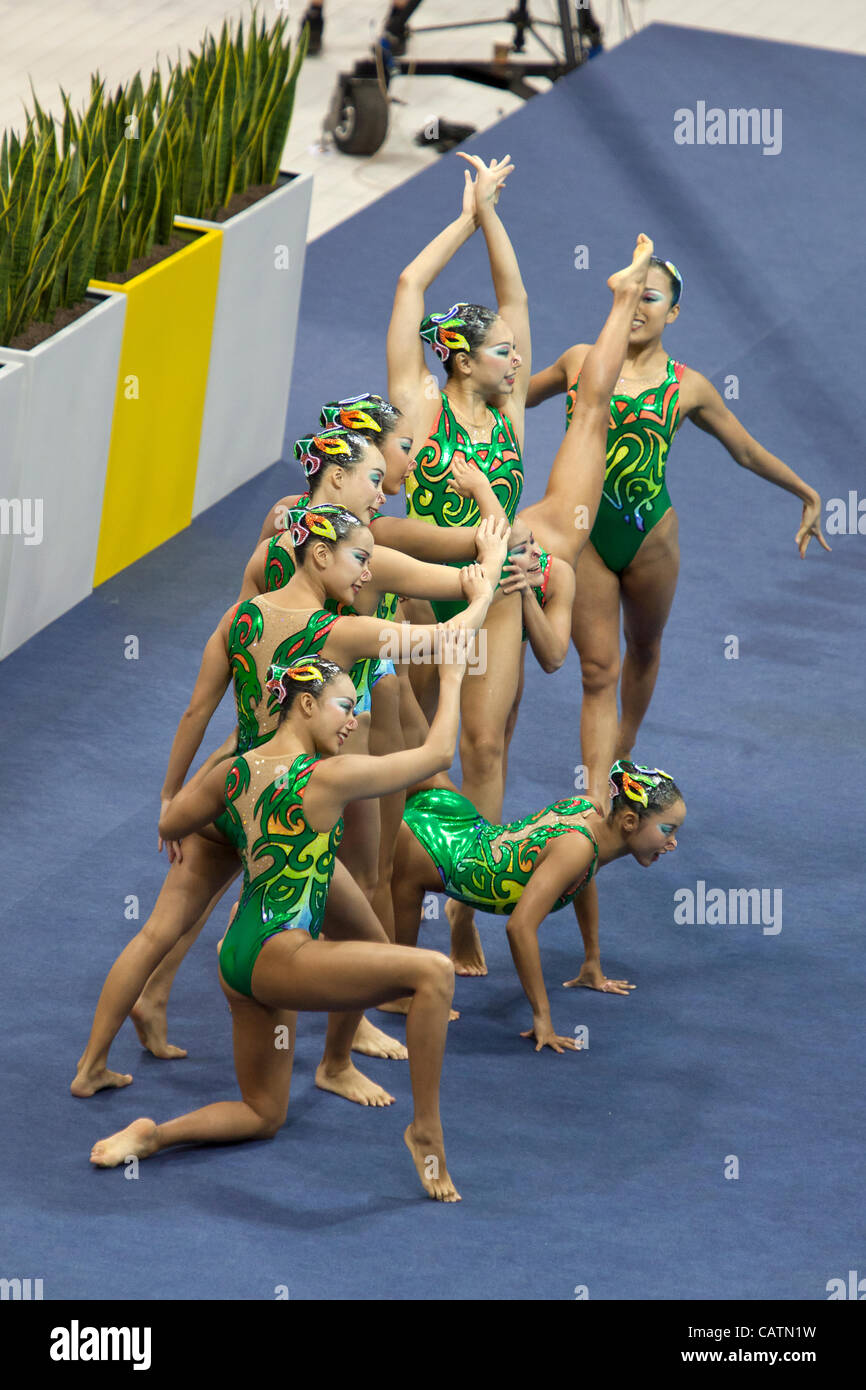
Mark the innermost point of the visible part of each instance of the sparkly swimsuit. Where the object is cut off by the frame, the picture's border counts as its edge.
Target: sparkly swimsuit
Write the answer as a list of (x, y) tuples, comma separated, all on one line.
[(288, 866), (488, 866), (427, 494), (635, 495)]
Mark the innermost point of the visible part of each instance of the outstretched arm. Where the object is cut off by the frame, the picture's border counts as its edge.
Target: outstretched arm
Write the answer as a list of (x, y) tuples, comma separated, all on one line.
[(710, 413), (566, 859), (424, 540), (337, 781), (396, 573), (555, 380)]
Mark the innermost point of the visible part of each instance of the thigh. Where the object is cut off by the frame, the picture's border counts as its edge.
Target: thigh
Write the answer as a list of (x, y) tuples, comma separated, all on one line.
[(650, 581), (335, 976), (191, 884), (264, 1051), (348, 915), (596, 614), (423, 676), (385, 731)]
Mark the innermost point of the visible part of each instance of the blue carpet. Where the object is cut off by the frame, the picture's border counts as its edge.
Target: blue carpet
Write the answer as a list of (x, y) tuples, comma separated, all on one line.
[(603, 1169)]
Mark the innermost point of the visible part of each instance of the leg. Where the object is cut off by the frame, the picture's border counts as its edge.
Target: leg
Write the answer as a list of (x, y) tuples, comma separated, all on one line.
[(415, 874), (648, 587), (486, 702), (347, 975), (595, 630), (423, 677), (264, 1048), (349, 917), (564, 517), (511, 721), (359, 850), (386, 736), (149, 1011), (205, 871)]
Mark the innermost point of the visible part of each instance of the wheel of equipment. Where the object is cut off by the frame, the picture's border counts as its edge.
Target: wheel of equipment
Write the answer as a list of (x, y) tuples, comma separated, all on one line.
[(360, 121)]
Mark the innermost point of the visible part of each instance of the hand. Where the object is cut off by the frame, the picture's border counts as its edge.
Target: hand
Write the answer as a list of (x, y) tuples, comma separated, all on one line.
[(545, 1037), (475, 584), (491, 543), (810, 526), (466, 479), (514, 579), (489, 180), (451, 648), (468, 209), (172, 846), (593, 977)]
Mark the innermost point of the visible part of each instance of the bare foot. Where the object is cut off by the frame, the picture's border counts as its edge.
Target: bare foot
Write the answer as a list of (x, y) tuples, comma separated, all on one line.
[(89, 1080), (150, 1025), (633, 277), (429, 1160), (401, 1006), (352, 1084), (374, 1043), (466, 950), (138, 1140)]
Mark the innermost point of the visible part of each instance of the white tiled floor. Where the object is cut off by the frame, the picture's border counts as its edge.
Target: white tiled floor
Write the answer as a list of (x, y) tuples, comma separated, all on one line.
[(60, 42)]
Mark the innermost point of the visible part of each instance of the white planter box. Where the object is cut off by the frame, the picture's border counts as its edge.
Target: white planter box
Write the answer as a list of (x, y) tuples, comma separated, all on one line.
[(253, 344), (13, 393), (70, 387)]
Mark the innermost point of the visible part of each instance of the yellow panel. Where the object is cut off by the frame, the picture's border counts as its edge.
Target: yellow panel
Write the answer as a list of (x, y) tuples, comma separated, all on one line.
[(159, 404)]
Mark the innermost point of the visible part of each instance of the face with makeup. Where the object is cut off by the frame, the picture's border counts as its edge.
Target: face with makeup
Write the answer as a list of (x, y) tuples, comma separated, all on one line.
[(396, 450), (524, 552), (331, 714), (654, 311), (491, 367), (649, 837), (345, 567), (359, 489)]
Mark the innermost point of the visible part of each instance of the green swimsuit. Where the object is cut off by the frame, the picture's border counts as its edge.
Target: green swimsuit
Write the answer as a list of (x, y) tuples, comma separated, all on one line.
[(288, 866), (427, 495), (635, 495), (474, 868)]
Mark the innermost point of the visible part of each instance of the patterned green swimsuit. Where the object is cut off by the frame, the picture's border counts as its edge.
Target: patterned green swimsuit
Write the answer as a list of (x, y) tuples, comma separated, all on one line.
[(474, 868), (288, 866), (635, 495), (427, 497)]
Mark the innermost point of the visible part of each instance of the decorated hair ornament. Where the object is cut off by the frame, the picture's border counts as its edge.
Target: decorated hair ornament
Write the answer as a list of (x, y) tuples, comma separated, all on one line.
[(636, 784), (669, 265), (313, 524), (353, 413), (302, 671), (442, 332), (329, 442)]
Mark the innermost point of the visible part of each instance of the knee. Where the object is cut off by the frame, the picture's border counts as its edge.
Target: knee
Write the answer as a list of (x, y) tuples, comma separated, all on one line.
[(438, 974), (271, 1119), (644, 651), (481, 755), (599, 674)]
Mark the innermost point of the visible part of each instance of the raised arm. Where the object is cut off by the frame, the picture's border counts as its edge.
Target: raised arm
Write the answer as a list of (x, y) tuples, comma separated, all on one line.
[(211, 683), (511, 298), (565, 861), (337, 781), (407, 369), (708, 411)]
